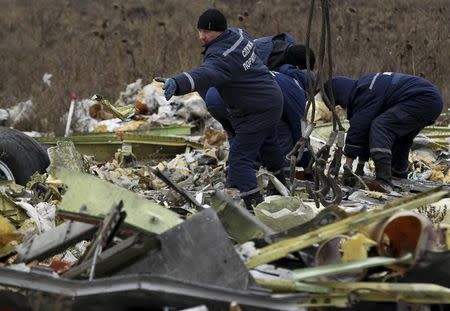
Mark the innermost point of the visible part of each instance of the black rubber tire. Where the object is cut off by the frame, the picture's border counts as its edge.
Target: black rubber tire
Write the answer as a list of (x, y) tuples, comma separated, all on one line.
[(22, 155)]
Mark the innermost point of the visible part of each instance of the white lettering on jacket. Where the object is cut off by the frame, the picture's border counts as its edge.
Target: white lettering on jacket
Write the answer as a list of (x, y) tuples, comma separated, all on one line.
[(247, 49), (248, 63)]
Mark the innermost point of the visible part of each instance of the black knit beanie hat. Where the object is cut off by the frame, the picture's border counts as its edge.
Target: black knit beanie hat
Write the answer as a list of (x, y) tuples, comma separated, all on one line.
[(213, 20), (296, 55)]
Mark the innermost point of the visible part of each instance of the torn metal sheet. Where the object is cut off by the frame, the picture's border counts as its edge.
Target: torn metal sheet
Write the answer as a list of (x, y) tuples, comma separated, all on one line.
[(325, 217), (198, 250), (98, 196), (51, 242), (145, 146), (280, 249), (106, 231), (167, 130), (139, 292), (264, 174), (116, 257), (65, 155), (121, 112), (237, 221), (12, 211)]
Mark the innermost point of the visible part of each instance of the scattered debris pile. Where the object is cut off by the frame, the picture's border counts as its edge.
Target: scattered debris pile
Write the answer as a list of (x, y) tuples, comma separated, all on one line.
[(125, 229), (176, 240)]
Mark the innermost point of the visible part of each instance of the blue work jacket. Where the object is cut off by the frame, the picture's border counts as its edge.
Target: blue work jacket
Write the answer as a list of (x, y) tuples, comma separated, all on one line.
[(247, 87), (373, 94)]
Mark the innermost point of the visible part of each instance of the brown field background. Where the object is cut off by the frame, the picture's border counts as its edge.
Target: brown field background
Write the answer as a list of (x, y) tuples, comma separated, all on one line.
[(101, 46)]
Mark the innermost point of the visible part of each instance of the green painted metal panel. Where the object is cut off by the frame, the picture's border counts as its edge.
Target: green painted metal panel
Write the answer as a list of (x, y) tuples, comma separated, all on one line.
[(144, 145), (90, 196)]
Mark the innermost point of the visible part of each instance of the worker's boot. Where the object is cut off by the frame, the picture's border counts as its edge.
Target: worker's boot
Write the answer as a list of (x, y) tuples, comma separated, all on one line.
[(251, 200), (383, 176)]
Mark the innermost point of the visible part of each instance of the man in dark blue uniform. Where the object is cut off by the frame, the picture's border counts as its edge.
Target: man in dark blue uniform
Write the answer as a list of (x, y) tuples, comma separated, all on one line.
[(386, 111), (279, 53), (250, 94), (294, 102)]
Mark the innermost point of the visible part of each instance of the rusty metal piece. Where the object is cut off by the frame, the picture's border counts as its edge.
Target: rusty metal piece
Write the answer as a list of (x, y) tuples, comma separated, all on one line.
[(326, 182), (320, 179), (313, 195), (404, 232)]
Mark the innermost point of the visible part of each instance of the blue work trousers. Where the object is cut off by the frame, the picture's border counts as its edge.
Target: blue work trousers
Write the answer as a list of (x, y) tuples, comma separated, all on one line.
[(392, 133), (244, 151)]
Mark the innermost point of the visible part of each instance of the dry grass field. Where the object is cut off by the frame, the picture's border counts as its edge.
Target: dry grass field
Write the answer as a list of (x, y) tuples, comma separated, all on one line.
[(101, 46)]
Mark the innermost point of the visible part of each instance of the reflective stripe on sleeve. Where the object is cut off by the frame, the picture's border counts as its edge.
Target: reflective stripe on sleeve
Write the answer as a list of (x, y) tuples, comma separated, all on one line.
[(190, 80)]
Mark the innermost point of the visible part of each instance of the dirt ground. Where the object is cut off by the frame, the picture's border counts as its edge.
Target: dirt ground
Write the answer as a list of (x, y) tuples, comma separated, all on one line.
[(101, 46)]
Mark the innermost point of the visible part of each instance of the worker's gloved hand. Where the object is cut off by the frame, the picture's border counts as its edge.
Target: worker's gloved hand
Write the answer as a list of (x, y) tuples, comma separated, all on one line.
[(170, 86), (347, 177)]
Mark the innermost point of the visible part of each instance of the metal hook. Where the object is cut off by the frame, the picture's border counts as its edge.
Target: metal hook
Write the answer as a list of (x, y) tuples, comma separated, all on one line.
[(320, 179), (313, 195), (337, 194)]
